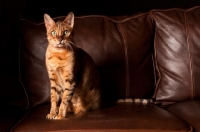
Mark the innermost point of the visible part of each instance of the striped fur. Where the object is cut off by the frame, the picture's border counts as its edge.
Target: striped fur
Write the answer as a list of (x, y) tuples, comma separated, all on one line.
[(73, 77)]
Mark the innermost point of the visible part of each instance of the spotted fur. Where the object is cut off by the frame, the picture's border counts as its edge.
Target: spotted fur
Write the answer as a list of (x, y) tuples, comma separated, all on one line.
[(74, 80)]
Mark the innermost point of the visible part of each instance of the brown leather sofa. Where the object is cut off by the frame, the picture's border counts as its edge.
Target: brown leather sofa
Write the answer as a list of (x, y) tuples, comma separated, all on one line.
[(154, 55)]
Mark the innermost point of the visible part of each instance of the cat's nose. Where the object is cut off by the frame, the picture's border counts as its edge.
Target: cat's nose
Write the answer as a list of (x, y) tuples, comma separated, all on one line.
[(60, 39)]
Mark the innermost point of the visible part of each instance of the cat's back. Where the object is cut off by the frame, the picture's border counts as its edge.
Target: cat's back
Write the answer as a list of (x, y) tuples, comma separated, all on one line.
[(87, 70), (85, 59)]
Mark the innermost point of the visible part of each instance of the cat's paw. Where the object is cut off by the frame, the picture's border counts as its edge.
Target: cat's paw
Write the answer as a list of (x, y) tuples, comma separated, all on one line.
[(51, 116), (79, 111), (58, 117)]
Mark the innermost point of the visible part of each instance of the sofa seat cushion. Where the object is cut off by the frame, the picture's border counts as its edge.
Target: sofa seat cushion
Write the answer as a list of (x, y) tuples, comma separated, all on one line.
[(120, 117), (188, 111), (9, 116)]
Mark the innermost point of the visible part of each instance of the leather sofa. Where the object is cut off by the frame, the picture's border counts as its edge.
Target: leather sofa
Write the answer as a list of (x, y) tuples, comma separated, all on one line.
[(153, 55)]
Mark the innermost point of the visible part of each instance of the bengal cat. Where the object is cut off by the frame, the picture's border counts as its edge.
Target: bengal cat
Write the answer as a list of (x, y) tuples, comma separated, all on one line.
[(74, 80)]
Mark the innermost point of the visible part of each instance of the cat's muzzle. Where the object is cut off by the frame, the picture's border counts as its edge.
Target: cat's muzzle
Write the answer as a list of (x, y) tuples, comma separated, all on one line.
[(60, 45)]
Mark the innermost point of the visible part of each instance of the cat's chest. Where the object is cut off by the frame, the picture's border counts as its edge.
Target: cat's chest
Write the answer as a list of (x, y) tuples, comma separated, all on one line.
[(60, 60)]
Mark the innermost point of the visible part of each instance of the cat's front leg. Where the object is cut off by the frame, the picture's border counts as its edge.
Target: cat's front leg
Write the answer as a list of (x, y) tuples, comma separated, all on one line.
[(54, 95), (53, 110), (67, 95)]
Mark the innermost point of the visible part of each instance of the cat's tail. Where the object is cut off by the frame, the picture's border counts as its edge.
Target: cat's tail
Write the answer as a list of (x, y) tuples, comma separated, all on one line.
[(135, 100), (93, 99)]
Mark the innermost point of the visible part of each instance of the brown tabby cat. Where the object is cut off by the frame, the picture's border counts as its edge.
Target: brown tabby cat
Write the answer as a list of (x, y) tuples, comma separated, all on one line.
[(73, 77)]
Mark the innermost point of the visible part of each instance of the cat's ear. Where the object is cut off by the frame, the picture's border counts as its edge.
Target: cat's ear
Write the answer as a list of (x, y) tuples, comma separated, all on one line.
[(49, 22), (70, 19)]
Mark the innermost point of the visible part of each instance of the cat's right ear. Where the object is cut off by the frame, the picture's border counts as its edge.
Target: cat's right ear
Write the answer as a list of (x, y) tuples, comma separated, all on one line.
[(49, 22)]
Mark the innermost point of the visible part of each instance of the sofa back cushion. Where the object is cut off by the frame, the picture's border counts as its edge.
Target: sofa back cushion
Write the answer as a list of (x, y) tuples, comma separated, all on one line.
[(177, 54), (121, 48), (11, 90)]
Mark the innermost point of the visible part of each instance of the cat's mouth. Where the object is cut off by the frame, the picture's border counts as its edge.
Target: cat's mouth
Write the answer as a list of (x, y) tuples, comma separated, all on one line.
[(69, 45), (60, 45)]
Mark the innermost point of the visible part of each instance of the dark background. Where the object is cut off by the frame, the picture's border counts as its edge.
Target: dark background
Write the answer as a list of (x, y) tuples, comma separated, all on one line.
[(11, 11)]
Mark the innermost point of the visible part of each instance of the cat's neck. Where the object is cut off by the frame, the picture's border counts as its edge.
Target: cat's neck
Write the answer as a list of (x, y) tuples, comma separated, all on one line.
[(60, 53), (52, 49)]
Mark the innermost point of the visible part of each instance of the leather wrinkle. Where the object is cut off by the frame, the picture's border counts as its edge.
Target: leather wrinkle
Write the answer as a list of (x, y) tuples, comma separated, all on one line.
[(121, 31), (190, 55)]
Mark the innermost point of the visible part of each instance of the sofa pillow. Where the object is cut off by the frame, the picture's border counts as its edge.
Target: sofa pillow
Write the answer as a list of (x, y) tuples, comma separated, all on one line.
[(121, 48), (177, 54)]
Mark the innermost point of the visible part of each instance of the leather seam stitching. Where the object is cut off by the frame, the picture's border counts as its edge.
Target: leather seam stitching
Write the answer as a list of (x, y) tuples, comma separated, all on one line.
[(22, 118), (20, 76), (126, 59), (171, 9), (95, 16)]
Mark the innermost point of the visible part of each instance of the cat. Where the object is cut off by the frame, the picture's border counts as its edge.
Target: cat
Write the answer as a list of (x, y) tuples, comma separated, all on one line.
[(74, 79)]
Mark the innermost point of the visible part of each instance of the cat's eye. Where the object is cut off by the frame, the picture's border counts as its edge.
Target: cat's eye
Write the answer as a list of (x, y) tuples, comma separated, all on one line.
[(66, 32), (53, 33)]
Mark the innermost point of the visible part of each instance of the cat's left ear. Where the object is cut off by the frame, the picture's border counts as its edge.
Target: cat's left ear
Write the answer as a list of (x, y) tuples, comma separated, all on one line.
[(70, 19), (49, 22)]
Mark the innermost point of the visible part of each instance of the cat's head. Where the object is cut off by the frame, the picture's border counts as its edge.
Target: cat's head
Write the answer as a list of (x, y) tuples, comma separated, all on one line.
[(59, 34)]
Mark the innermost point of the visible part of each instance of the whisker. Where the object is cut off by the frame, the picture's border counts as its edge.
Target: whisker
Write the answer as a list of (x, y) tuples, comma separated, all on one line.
[(72, 45)]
